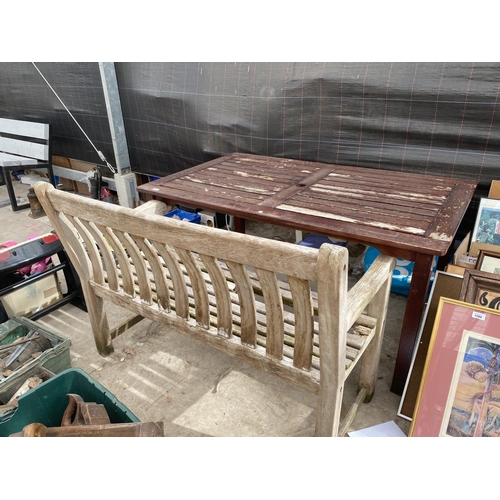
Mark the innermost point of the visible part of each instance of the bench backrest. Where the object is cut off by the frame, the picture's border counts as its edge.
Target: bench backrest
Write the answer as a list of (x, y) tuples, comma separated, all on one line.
[(23, 138), (160, 267)]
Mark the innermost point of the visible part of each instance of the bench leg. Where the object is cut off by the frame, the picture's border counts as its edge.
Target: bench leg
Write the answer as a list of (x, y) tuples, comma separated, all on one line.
[(98, 320), (371, 357), (10, 190), (328, 413)]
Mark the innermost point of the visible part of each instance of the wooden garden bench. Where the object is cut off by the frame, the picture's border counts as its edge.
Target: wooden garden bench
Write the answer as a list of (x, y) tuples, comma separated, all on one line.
[(282, 308)]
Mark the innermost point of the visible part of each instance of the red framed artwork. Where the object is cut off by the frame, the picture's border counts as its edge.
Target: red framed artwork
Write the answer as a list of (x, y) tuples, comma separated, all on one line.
[(459, 395)]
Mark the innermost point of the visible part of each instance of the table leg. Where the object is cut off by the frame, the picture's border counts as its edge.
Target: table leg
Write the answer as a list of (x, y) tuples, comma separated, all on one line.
[(413, 314), (239, 225)]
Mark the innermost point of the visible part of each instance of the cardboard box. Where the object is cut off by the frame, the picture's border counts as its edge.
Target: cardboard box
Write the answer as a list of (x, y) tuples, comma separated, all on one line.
[(453, 269), (82, 166), (476, 247), (494, 190), (462, 257), (33, 297), (61, 161)]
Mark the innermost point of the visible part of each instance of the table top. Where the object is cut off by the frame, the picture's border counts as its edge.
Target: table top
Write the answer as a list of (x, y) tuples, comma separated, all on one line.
[(399, 213)]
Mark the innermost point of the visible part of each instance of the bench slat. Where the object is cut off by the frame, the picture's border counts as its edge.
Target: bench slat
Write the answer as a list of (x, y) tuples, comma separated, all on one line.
[(121, 257), (246, 301), (139, 265), (304, 322), (161, 285), (176, 275), (91, 247), (7, 160), (25, 129), (24, 148), (109, 262), (221, 293), (198, 285), (274, 313)]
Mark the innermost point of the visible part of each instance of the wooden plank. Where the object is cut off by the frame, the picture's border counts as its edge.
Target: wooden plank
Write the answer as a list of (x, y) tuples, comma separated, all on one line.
[(352, 218), (133, 429), (181, 305), (246, 301), (222, 296), (90, 246), (337, 200), (304, 322), (24, 128), (198, 285), (139, 265), (24, 148), (366, 212), (108, 259), (332, 306), (160, 281), (7, 160), (121, 257), (274, 313)]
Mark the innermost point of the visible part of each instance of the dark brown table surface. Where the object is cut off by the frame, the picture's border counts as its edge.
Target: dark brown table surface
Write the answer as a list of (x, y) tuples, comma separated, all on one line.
[(409, 216)]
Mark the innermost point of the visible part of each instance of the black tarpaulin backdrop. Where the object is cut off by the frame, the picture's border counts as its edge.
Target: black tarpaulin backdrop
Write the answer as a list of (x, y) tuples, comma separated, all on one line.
[(435, 118)]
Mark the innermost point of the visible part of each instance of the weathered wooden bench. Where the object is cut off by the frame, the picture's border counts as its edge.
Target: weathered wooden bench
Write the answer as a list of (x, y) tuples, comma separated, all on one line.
[(24, 145), (280, 307)]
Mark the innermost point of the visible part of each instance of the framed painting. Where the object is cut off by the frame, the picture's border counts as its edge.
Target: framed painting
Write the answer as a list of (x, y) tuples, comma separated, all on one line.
[(459, 395), (481, 288), (489, 262), (487, 225), (444, 285)]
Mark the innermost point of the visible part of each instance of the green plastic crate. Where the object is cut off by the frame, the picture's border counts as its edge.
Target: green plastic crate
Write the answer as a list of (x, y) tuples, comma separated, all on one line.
[(53, 360), (46, 403)]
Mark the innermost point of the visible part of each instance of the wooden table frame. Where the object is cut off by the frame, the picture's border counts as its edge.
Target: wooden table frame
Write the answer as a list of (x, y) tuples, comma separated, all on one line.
[(408, 216)]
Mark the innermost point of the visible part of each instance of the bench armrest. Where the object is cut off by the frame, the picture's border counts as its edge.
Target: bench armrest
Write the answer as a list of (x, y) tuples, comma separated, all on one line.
[(155, 207), (362, 293)]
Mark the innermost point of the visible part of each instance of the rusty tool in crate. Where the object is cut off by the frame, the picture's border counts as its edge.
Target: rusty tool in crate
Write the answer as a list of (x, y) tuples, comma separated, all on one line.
[(81, 419), (17, 352), (16, 343), (78, 412)]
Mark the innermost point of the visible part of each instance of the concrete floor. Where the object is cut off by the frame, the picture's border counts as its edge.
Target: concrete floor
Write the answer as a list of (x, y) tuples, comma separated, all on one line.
[(161, 375)]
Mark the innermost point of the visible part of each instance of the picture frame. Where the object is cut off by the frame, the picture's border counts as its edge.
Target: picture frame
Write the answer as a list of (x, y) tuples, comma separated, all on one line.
[(481, 288), (445, 284), (458, 395), (488, 261), (487, 224)]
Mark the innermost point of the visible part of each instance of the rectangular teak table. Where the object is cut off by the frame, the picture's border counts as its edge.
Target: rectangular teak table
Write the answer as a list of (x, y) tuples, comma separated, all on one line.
[(409, 216)]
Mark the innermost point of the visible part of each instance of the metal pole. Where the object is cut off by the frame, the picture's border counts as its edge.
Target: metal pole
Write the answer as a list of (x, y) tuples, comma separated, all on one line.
[(115, 116), (125, 180)]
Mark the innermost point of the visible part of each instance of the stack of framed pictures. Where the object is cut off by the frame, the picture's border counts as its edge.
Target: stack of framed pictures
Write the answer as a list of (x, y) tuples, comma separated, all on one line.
[(453, 388), (460, 393), (485, 238)]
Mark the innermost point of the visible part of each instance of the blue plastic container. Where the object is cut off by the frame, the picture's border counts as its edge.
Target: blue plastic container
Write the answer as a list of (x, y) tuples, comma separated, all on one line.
[(401, 276), (184, 216), (316, 240)]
